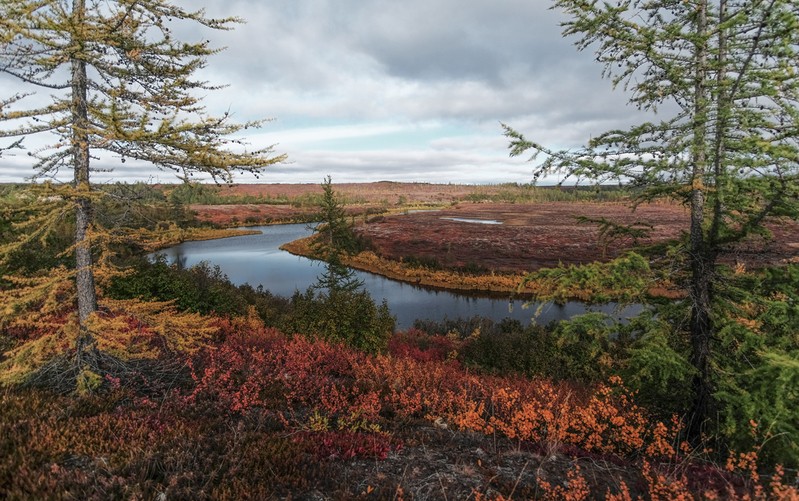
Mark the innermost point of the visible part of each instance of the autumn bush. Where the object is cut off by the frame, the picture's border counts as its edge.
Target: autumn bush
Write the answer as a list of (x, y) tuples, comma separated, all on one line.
[(321, 386), (350, 388), (235, 405), (418, 345), (264, 415)]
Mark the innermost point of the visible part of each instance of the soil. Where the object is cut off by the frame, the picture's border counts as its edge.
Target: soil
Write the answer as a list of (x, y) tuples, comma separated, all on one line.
[(437, 463)]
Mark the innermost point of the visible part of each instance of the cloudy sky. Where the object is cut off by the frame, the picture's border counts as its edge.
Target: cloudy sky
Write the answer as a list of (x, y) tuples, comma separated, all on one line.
[(369, 90)]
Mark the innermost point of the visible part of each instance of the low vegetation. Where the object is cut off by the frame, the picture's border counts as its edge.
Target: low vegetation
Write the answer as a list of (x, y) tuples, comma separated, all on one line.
[(259, 413), (202, 389)]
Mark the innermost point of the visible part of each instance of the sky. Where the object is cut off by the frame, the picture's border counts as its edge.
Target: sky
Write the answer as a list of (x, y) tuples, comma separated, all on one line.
[(412, 90)]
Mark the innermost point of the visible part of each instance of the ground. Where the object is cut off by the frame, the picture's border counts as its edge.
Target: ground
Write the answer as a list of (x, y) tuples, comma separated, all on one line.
[(532, 234)]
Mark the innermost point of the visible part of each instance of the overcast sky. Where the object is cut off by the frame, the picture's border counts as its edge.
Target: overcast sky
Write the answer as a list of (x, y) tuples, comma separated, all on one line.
[(412, 90)]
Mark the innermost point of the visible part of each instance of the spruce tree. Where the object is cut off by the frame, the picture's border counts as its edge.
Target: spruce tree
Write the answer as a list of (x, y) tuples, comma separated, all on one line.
[(334, 239)]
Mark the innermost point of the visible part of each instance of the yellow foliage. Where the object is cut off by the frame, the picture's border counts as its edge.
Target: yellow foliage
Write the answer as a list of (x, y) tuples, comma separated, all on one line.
[(24, 360), (136, 329), (128, 330), (88, 382), (152, 240), (36, 297), (397, 270)]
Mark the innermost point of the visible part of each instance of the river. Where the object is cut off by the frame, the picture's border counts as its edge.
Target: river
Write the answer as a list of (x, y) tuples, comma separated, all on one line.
[(258, 260)]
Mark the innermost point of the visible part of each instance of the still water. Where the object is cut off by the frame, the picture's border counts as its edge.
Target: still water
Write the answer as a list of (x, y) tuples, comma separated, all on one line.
[(258, 260)]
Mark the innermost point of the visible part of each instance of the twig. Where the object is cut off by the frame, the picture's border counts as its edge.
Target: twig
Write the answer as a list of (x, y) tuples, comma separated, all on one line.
[(518, 479)]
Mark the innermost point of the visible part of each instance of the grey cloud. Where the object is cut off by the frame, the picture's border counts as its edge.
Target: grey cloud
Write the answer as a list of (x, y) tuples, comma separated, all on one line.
[(312, 63), (451, 39)]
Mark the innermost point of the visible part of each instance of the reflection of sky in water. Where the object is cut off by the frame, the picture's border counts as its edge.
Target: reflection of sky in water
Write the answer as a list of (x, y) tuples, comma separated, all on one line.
[(475, 221), (257, 260)]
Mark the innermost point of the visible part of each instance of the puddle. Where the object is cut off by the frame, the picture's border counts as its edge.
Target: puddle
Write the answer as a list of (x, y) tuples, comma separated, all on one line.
[(476, 221)]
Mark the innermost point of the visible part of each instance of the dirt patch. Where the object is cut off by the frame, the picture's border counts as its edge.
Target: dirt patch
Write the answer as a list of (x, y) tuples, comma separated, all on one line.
[(443, 464)]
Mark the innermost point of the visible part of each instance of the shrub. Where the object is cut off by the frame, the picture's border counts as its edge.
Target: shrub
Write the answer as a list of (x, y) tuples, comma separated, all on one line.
[(341, 316), (420, 346), (201, 288)]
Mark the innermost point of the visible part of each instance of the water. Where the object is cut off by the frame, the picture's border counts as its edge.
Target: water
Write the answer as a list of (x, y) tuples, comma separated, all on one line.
[(474, 221), (257, 260)]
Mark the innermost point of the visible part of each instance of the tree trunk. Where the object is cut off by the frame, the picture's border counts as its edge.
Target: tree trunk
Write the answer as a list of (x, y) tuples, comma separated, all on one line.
[(701, 326), (702, 261), (87, 297)]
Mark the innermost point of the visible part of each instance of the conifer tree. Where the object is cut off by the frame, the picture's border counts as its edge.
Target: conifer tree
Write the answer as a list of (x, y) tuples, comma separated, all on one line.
[(722, 79), (335, 238), (113, 76)]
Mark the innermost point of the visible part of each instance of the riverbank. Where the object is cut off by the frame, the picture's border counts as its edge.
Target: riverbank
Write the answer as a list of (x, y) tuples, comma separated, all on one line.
[(627, 279), (489, 283), (151, 241)]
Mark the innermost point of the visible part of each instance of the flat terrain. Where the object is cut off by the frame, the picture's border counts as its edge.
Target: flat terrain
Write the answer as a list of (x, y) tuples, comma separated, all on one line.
[(529, 236), (386, 192), (522, 235)]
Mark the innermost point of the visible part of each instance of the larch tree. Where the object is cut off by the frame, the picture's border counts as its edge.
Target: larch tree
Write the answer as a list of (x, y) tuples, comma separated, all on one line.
[(721, 78), (113, 76)]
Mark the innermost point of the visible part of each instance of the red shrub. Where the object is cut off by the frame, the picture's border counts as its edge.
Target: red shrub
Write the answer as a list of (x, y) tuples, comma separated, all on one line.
[(420, 346), (329, 445)]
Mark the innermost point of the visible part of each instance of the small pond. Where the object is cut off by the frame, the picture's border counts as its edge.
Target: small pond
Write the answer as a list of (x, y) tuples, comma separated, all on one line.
[(473, 221), (258, 260)]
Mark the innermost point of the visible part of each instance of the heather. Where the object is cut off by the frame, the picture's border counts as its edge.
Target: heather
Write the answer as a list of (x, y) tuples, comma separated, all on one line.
[(261, 414), (257, 413)]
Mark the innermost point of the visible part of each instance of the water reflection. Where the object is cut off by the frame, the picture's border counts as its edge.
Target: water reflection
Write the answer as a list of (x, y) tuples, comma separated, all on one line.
[(475, 221), (257, 260)]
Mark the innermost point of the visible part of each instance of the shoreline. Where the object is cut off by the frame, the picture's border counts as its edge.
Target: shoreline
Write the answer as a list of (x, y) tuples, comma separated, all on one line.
[(493, 284), (153, 241)]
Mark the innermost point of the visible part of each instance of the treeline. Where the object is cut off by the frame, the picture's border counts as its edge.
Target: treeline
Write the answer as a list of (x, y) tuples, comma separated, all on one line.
[(212, 194)]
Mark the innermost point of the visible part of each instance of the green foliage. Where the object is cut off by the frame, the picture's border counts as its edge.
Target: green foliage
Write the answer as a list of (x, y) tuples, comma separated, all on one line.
[(726, 145), (201, 288), (625, 279), (656, 362), (530, 193), (337, 277), (197, 193), (342, 316), (139, 205), (508, 347), (585, 348), (589, 348), (428, 262), (758, 361), (334, 238), (610, 232), (334, 234)]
